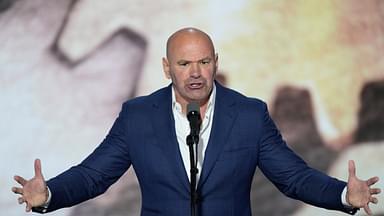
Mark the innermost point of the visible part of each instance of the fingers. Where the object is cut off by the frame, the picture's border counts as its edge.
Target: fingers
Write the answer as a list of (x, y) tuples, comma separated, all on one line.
[(38, 172), (17, 190), (372, 180), (367, 209), (20, 200), (28, 208), (373, 200), (351, 168), (374, 190), (20, 180)]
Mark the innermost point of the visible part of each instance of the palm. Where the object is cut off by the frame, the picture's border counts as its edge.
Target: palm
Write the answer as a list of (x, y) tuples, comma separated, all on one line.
[(359, 193), (34, 191)]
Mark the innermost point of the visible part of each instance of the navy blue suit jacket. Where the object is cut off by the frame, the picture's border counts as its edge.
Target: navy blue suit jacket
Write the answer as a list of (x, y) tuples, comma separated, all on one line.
[(243, 137)]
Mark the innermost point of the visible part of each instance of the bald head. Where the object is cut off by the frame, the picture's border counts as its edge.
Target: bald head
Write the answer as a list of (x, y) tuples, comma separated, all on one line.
[(188, 35), (191, 64)]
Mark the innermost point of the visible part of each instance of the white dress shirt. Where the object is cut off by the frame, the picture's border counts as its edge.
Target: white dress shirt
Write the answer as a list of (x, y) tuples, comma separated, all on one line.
[(183, 130)]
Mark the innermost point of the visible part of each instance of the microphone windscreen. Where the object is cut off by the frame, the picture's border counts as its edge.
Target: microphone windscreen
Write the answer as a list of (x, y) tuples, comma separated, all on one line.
[(193, 107)]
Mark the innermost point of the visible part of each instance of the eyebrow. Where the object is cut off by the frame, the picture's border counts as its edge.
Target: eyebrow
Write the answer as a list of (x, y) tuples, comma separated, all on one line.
[(183, 61)]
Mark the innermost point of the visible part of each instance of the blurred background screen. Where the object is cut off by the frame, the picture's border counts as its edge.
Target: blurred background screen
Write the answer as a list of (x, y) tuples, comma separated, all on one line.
[(66, 66)]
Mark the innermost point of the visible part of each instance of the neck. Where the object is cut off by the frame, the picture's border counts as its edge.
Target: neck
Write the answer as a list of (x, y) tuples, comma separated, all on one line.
[(183, 102)]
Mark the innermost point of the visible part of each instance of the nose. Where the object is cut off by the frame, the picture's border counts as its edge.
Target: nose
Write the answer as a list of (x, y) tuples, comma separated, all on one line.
[(195, 70)]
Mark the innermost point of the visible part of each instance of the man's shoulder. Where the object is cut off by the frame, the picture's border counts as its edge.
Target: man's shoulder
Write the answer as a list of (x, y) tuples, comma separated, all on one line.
[(239, 98), (150, 99)]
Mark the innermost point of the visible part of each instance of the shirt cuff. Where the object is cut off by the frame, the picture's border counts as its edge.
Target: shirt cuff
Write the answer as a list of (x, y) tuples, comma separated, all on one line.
[(46, 204), (344, 198)]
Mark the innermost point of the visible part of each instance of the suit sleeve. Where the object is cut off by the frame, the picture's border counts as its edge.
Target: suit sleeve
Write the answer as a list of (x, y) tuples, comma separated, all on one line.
[(292, 176), (97, 172)]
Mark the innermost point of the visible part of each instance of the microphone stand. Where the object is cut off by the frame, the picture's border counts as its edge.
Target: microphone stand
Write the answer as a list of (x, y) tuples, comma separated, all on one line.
[(193, 139)]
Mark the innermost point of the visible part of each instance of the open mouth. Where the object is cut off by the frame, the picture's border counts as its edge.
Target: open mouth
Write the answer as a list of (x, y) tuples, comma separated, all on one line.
[(196, 85)]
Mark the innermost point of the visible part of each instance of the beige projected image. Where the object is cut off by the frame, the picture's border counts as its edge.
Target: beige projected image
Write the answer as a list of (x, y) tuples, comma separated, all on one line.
[(68, 65)]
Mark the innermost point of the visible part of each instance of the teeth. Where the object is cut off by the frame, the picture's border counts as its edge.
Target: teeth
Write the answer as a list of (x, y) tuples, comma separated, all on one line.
[(195, 85)]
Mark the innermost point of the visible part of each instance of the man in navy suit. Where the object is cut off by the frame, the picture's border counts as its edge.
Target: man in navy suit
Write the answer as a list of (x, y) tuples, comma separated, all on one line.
[(237, 135)]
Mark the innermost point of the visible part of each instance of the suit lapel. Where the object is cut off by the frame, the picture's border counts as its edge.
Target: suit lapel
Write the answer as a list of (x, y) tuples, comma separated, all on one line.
[(224, 116), (164, 125)]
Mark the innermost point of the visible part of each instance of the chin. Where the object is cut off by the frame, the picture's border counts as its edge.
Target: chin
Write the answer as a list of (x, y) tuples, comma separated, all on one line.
[(200, 99)]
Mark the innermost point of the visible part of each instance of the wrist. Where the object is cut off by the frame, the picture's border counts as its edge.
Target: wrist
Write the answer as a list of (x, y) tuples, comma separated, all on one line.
[(344, 197), (44, 207)]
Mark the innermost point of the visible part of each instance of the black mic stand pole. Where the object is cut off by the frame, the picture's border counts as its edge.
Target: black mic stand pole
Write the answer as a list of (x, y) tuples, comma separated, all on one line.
[(193, 139)]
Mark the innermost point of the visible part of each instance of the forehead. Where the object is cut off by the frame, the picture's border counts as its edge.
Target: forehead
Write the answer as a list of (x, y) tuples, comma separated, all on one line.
[(190, 45)]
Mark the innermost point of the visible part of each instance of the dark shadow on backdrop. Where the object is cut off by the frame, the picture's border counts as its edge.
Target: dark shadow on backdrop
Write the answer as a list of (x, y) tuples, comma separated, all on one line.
[(5, 5), (370, 126)]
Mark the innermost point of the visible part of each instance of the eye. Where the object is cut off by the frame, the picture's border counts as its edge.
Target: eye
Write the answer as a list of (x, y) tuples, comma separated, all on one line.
[(205, 61), (183, 63)]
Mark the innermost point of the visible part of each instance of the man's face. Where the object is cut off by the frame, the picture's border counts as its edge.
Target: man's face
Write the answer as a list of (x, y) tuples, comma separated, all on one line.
[(192, 66)]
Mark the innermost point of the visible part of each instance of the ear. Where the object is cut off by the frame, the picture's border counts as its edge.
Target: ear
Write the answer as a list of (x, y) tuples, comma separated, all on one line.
[(166, 68), (216, 63)]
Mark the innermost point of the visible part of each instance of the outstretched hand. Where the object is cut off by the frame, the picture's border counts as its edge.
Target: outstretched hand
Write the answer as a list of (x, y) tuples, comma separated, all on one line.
[(359, 192), (33, 192)]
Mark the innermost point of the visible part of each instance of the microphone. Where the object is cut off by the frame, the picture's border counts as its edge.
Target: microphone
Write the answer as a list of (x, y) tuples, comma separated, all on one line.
[(193, 115)]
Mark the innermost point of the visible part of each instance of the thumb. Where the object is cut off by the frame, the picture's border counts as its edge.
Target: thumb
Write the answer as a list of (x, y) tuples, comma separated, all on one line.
[(38, 172), (351, 168)]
